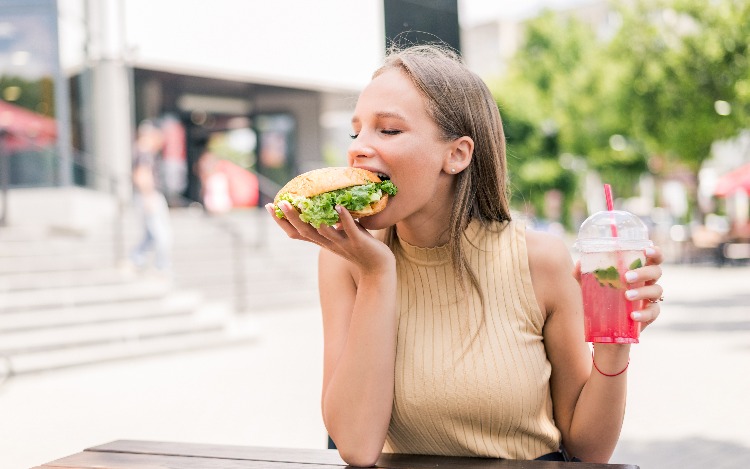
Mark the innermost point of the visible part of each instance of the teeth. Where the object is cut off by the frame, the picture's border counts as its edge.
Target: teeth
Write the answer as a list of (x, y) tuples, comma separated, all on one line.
[(383, 176)]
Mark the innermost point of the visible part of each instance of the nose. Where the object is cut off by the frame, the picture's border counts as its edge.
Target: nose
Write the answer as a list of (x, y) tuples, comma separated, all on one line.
[(359, 148)]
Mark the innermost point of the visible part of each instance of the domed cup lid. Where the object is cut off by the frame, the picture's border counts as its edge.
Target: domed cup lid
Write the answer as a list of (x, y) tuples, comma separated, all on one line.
[(612, 230)]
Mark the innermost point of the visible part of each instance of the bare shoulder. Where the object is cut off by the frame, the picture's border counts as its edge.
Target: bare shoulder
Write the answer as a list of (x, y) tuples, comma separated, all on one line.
[(547, 252), (551, 268)]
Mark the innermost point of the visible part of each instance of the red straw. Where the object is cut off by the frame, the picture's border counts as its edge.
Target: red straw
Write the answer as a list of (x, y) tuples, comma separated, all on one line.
[(608, 195), (610, 207), (620, 263)]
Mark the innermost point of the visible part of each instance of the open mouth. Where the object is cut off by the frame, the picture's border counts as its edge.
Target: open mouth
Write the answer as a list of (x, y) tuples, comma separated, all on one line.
[(383, 177)]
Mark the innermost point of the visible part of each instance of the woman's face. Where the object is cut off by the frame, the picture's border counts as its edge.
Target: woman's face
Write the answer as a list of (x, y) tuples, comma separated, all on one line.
[(394, 135)]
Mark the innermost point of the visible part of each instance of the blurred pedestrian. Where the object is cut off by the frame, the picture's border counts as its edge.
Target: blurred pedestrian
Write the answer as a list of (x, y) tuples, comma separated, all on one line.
[(150, 204)]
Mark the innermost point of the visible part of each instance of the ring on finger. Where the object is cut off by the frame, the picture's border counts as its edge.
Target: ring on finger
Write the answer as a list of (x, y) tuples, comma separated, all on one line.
[(661, 298)]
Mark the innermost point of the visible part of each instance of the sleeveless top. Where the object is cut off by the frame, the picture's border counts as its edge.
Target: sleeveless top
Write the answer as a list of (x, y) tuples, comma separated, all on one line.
[(468, 381)]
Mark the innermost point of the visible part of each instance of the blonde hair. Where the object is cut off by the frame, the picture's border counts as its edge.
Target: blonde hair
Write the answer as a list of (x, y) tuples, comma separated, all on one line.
[(461, 105)]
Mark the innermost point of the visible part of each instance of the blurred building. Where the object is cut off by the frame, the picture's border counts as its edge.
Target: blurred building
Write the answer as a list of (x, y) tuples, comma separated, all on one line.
[(271, 84), (490, 44)]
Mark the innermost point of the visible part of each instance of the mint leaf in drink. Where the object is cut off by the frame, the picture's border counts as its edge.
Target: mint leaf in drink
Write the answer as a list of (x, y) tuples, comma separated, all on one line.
[(635, 264), (608, 277)]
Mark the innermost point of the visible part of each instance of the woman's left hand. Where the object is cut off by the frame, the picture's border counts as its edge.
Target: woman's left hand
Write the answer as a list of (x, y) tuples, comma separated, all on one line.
[(650, 292)]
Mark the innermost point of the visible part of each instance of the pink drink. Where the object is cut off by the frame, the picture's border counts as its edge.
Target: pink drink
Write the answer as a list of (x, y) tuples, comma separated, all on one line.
[(606, 310)]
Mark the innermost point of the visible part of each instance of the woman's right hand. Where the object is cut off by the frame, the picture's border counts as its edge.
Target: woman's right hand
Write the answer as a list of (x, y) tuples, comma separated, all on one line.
[(348, 238)]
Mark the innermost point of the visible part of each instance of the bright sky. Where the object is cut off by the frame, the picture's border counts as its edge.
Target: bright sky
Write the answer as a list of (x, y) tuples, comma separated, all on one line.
[(478, 11), (327, 43)]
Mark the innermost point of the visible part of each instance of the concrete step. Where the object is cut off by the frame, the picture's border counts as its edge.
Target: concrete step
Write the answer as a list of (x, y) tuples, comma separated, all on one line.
[(174, 304), (80, 295), (207, 318), (63, 278), (133, 347), (286, 301), (260, 267), (63, 302), (261, 300), (70, 262)]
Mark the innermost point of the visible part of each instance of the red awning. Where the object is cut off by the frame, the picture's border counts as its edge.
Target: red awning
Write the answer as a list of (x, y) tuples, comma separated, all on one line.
[(26, 128), (733, 181)]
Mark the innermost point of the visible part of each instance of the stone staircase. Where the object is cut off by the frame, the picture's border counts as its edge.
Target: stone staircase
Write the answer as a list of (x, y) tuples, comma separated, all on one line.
[(65, 302), (243, 258)]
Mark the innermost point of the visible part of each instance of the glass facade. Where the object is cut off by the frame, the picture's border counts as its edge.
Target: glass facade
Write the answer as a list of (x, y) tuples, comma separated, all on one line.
[(29, 110)]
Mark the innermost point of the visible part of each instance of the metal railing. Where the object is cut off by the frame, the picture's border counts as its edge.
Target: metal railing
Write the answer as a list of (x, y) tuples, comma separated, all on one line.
[(268, 189)]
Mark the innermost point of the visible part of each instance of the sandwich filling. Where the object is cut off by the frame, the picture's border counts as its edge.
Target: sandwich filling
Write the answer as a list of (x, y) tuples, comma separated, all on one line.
[(320, 209)]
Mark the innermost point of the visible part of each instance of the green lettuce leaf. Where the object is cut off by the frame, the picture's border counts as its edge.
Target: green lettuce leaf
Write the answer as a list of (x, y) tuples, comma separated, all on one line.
[(320, 210)]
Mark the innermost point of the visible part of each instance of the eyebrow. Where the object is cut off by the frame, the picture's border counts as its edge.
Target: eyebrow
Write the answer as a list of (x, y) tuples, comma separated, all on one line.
[(383, 115)]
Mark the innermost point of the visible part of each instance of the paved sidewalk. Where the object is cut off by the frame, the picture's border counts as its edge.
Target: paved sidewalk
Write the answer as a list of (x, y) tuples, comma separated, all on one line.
[(688, 403), (266, 393), (689, 378)]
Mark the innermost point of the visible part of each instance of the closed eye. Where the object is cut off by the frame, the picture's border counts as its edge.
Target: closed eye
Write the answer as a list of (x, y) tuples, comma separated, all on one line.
[(390, 132)]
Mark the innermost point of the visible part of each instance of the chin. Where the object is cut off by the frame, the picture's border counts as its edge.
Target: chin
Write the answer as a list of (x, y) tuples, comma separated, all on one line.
[(374, 222)]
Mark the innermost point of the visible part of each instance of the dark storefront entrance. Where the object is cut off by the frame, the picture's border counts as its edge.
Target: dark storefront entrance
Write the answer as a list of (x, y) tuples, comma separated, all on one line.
[(251, 128)]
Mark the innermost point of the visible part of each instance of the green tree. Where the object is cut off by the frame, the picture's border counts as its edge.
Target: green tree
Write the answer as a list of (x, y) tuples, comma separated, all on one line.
[(553, 100), (684, 76), (653, 93)]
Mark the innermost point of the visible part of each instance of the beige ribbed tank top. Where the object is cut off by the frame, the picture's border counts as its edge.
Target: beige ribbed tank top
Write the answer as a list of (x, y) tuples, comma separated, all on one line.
[(470, 383)]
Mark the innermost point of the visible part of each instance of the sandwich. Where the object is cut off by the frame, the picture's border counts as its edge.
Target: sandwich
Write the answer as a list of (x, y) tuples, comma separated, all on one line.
[(316, 193)]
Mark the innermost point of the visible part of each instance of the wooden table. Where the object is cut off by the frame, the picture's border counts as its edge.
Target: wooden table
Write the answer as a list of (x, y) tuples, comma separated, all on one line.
[(128, 454)]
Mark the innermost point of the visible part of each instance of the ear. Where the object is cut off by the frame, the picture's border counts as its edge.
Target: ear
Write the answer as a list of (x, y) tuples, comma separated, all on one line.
[(461, 152)]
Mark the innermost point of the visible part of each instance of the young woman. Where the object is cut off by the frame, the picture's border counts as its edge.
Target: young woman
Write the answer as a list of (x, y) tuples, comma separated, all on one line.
[(455, 331)]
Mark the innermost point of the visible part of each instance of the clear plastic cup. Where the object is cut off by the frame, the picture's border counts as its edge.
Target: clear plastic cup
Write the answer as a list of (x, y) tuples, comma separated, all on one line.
[(611, 243)]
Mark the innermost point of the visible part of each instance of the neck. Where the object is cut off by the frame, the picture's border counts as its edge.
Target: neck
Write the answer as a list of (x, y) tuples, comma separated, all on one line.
[(426, 230)]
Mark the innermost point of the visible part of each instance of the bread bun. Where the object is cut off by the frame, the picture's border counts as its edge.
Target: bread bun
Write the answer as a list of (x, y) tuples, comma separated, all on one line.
[(322, 180), (371, 209)]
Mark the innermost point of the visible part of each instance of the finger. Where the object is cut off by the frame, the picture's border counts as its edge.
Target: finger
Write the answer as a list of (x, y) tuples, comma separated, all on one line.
[(646, 315), (649, 274), (331, 233), (303, 230), (351, 227), (290, 230), (646, 292), (577, 271), (292, 216), (270, 208), (654, 255)]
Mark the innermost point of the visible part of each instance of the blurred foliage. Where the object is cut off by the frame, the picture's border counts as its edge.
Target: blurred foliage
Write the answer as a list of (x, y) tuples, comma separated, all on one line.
[(34, 95), (680, 57), (649, 90)]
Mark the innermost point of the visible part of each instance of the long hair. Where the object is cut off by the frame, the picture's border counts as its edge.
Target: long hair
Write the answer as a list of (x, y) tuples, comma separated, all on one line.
[(461, 105)]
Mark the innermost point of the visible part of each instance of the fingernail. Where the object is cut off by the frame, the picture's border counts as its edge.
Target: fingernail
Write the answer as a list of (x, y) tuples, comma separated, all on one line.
[(630, 294), (338, 208), (631, 276), (650, 251), (635, 315)]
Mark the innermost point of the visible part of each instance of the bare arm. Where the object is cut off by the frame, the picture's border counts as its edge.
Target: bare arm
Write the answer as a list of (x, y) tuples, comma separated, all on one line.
[(589, 407), (359, 324), (357, 282)]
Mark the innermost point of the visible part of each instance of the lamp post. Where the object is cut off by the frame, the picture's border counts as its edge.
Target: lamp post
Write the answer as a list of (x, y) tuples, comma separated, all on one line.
[(4, 177)]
